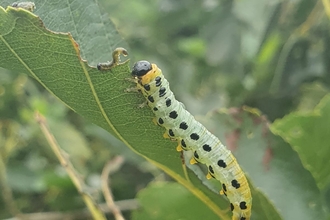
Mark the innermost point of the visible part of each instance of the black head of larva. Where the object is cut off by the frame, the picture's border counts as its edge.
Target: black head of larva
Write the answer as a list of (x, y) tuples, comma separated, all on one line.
[(141, 68)]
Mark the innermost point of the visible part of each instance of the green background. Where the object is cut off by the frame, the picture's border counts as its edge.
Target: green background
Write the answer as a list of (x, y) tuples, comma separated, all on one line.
[(218, 56)]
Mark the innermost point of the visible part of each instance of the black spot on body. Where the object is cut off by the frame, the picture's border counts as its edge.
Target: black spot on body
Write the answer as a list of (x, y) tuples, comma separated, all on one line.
[(155, 109), (183, 144), (162, 91), (211, 170), (231, 207), (173, 114), (194, 136), (242, 205), (235, 184), (151, 99), (171, 133), (224, 187), (168, 102), (196, 155), (207, 148), (158, 80), (222, 164), (160, 121), (242, 218), (146, 87), (183, 125)]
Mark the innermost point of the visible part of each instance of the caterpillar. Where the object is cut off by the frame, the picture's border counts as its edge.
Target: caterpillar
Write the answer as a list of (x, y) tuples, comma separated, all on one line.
[(191, 135), (30, 6)]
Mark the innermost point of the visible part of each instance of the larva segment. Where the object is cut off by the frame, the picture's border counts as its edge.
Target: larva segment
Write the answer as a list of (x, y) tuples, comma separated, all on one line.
[(191, 135)]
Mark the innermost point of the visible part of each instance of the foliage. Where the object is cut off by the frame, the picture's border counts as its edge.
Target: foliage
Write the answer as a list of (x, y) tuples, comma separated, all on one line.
[(270, 56)]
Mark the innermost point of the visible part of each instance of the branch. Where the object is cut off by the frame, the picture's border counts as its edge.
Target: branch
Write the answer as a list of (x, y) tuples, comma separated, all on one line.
[(66, 164), (4, 187), (110, 167)]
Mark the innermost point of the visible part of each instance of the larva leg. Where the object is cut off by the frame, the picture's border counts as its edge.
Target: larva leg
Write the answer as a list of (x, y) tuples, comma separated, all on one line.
[(154, 120), (115, 59), (193, 161), (209, 176), (133, 80), (136, 90), (143, 104), (166, 136), (132, 89), (179, 147), (222, 192)]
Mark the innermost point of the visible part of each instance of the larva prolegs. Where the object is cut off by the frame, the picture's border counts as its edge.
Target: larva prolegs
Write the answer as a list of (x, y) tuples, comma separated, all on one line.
[(193, 161)]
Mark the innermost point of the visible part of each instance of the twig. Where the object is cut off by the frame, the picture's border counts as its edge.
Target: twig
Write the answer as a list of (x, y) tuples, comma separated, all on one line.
[(6, 191), (4, 187), (110, 167), (66, 164)]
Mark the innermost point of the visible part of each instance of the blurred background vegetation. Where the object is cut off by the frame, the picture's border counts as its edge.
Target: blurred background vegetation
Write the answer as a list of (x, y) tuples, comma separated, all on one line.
[(270, 55)]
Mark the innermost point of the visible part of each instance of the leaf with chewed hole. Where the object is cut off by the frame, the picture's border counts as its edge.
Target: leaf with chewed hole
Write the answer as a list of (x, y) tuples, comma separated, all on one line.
[(53, 59)]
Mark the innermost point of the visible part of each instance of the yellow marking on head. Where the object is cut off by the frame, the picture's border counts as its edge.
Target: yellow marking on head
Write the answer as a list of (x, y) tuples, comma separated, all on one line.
[(151, 75)]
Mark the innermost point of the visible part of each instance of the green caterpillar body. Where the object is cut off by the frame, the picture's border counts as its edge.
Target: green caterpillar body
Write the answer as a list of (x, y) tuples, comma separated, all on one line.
[(191, 135)]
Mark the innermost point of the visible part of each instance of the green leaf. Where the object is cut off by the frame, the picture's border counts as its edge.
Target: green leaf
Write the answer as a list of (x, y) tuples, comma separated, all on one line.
[(308, 134), (170, 201), (311, 96), (53, 60)]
